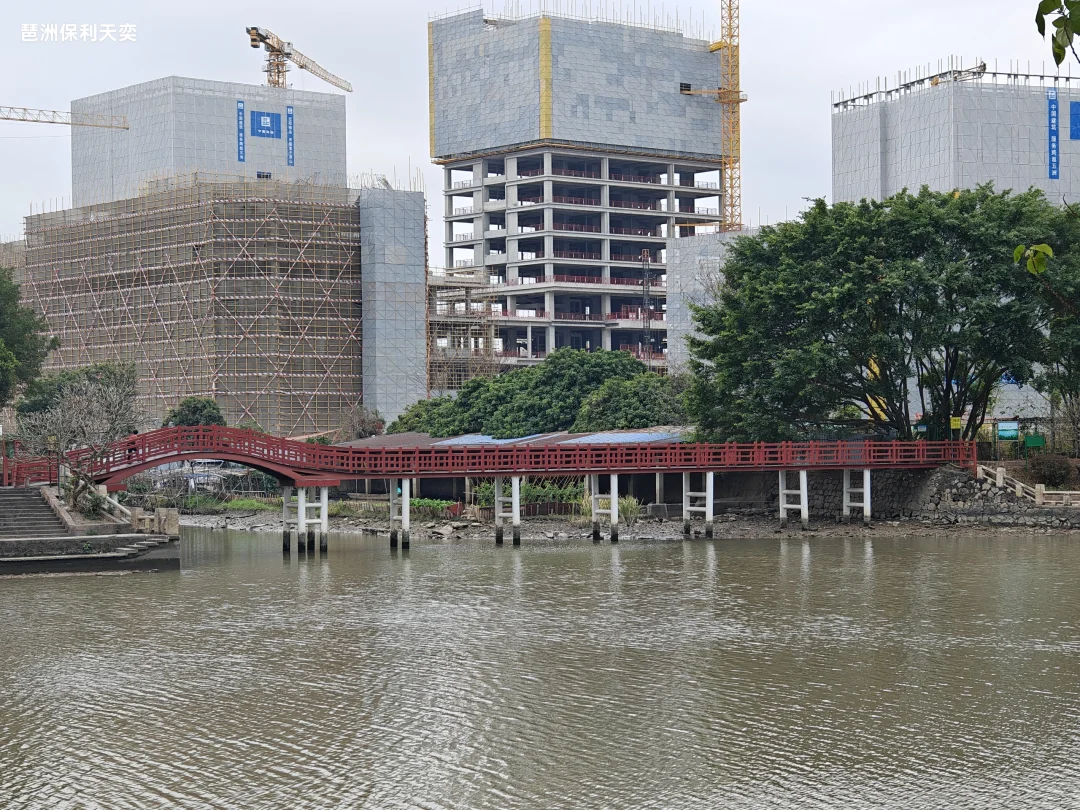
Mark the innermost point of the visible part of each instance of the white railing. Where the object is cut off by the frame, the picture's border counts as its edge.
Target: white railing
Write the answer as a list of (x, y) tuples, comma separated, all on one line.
[(1037, 493)]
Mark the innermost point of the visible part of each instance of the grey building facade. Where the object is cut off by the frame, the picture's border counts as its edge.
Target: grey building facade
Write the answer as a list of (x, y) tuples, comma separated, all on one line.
[(225, 130), (959, 130)]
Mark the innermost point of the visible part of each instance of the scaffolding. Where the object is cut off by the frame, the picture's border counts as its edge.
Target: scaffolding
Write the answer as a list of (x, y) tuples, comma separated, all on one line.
[(462, 335), (246, 292)]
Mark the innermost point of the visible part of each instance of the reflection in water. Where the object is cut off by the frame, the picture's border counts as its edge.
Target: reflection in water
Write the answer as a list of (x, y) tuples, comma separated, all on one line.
[(914, 673)]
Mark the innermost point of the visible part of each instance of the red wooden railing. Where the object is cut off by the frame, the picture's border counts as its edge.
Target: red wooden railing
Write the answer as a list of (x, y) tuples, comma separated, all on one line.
[(300, 461)]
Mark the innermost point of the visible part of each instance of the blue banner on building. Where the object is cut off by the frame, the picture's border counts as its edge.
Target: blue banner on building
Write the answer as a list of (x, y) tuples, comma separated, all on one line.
[(240, 131), (289, 133), (1052, 120), (1074, 120), (265, 124)]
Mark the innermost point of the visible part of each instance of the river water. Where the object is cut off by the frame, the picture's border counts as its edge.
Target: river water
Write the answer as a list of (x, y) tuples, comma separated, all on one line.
[(920, 673)]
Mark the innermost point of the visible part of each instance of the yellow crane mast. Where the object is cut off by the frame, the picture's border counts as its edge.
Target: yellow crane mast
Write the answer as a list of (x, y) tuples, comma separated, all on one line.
[(279, 52), (730, 97), (57, 117)]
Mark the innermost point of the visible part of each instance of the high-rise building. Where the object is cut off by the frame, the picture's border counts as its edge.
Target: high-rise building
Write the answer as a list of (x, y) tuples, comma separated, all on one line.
[(571, 150), (958, 127), (215, 244)]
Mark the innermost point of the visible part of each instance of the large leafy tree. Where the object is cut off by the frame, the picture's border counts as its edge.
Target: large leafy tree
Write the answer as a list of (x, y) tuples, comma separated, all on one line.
[(538, 399), (193, 412), (24, 342), (911, 302), (646, 400)]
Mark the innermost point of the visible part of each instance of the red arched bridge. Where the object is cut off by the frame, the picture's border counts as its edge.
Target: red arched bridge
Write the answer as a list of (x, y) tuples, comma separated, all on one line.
[(306, 471), (300, 464)]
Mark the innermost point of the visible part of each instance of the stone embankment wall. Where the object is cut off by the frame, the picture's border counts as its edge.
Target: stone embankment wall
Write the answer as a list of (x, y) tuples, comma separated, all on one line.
[(941, 496)]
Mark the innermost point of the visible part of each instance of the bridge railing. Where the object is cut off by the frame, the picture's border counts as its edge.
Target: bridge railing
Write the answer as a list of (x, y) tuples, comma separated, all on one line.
[(305, 459)]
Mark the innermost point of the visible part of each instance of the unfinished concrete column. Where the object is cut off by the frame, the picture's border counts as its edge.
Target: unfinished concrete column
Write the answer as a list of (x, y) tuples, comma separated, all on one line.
[(515, 499), (659, 488), (404, 514), (1000, 479), (498, 510), (614, 511)]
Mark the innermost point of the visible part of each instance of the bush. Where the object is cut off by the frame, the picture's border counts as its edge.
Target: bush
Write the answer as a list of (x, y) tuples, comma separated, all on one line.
[(92, 503), (629, 510), (1051, 470)]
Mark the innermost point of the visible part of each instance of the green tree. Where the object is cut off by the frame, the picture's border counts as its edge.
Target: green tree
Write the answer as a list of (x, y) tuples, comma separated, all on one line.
[(537, 399), (44, 392), (646, 400), (193, 412), (24, 343), (874, 305)]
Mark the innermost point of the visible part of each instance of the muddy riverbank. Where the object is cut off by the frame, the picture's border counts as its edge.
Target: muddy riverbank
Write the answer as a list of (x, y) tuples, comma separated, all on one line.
[(726, 527)]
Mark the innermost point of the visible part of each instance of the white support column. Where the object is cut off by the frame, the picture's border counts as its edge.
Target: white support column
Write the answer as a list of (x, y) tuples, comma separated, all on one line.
[(856, 496), (614, 511), (405, 513), (395, 512), (686, 503), (867, 508), (515, 488), (659, 487), (804, 499), (286, 497), (324, 517), (709, 503), (845, 510), (301, 514), (1000, 475), (594, 498), (498, 510)]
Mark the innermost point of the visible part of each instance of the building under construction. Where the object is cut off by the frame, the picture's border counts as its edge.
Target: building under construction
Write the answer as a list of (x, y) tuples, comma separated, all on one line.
[(285, 298), (572, 150)]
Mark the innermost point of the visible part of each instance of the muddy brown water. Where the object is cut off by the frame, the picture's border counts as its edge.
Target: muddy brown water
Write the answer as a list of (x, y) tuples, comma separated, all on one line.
[(937, 672)]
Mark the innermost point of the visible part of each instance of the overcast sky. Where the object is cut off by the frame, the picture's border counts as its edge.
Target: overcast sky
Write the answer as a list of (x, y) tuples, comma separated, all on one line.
[(794, 53)]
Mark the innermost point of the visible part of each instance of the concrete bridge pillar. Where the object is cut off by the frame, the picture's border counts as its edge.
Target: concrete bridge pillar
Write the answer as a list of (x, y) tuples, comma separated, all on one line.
[(395, 512), (301, 517), (613, 512), (593, 482), (698, 502), (286, 537), (405, 498), (498, 510), (324, 517), (514, 502), (786, 505), (856, 496)]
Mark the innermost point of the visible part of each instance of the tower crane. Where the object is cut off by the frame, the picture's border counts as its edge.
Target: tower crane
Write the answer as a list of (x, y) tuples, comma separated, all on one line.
[(70, 118), (729, 96), (278, 52)]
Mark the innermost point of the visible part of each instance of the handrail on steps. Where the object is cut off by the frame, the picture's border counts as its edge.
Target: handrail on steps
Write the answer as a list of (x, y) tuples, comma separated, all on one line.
[(1038, 493)]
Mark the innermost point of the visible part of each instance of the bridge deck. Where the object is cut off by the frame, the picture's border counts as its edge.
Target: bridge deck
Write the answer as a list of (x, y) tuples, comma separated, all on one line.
[(303, 464)]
